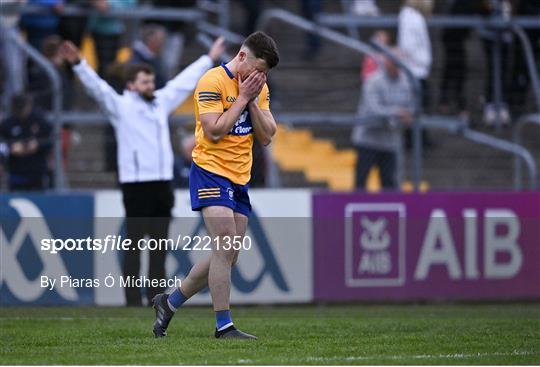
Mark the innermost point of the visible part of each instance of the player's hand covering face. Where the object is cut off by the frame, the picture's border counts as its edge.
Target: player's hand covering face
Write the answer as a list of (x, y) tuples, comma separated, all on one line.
[(252, 86), (249, 64)]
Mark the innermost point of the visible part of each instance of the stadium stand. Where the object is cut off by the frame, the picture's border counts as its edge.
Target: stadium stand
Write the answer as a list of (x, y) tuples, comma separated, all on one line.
[(330, 81)]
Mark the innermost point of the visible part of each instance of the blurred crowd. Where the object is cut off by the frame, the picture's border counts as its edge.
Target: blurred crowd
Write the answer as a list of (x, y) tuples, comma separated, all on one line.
[(25, 82), (26, 136), (387, 93)]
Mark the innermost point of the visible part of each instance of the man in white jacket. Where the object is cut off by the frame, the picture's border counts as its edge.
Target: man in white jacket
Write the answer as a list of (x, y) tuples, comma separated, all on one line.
[(145, 157), (413, 39), (415, 46)]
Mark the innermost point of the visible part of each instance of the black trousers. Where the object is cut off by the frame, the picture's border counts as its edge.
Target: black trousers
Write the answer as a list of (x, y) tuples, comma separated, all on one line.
[(386, 161), (489, 86), (454, 69), (521, 79), (148, 213)]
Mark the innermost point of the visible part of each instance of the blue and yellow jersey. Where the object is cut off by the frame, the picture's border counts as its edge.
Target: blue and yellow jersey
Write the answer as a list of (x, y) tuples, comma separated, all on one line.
[(231, 157)]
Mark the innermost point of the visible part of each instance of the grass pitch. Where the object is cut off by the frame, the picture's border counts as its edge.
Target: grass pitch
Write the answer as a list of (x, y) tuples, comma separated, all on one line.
[(374, 334)]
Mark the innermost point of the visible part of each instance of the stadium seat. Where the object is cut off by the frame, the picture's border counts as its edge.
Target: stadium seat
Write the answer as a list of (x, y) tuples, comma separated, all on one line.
[(320, 161)]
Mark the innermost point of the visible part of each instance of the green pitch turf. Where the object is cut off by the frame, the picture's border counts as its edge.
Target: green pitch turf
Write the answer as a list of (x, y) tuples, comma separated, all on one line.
[(374, 334)]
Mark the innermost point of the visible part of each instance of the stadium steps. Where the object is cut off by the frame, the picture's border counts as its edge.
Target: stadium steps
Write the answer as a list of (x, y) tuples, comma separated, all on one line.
[(296, 150), (456, 163)]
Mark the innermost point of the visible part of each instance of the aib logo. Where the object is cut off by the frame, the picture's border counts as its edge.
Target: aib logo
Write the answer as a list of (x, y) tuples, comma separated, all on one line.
[(375, 245)]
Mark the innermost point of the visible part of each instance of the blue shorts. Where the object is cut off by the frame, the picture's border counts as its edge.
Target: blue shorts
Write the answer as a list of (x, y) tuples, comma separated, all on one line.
[(208, 189)]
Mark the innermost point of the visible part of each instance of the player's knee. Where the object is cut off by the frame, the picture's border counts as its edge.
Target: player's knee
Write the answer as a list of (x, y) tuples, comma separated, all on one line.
[(226, 255), (224, 230)]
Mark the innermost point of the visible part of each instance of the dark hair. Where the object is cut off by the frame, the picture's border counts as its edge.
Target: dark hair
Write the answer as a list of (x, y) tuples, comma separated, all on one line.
[(130, 74), (263, 47)]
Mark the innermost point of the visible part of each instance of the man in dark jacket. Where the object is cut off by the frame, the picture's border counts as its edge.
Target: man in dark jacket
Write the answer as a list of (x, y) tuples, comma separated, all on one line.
[(28, 137), (148, 50)]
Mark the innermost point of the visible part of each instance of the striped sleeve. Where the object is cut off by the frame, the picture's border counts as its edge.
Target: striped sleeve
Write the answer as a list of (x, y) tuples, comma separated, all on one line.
[(208, 95)]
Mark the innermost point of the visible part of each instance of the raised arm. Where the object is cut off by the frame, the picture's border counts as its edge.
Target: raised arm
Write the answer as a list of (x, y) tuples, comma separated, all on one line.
[(103, 93), (178, 89)]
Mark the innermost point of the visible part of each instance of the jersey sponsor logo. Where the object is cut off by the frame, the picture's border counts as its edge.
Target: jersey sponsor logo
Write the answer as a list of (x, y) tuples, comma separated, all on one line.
[(242, 126), (231, 99)]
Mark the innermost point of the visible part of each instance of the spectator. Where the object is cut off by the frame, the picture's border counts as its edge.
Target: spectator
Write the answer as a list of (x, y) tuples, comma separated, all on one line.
[(177, 33), (253, 10), (72, 28), (11, 57), (39, 87), (183, 146), (493, 113), (107, 31), (28, 137), (310, 10), (40, 26), (387, 95), (148, 50), (39, 84), (521, 78), (414, 41), (415, 44), (455, 59), (365, 7), (369, 65)]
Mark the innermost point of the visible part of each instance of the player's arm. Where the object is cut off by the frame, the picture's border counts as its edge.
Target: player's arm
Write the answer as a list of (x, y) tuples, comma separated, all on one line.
[(216, 125), (96, 87), (264, 125)]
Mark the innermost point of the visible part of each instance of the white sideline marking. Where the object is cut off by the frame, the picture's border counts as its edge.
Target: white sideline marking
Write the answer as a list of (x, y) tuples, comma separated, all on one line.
[(423, 356), (402, 357)]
